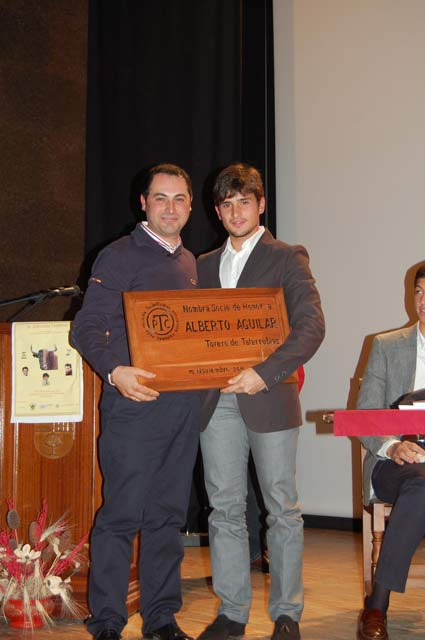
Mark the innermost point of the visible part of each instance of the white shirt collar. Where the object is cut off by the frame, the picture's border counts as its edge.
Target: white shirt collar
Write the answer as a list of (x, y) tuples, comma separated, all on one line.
[(247, 244), (232, 262), (166, 245)]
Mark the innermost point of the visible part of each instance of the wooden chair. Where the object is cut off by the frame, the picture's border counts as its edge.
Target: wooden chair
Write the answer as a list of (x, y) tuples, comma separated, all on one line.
[(374, 518)]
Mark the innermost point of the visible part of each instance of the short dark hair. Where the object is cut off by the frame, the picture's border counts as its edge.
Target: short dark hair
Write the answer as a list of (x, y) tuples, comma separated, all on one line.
[(420, 273), (170, 170), (238, 178)]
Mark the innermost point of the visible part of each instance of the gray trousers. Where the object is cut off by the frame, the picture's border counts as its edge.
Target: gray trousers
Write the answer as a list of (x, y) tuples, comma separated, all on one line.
[(225, 448)]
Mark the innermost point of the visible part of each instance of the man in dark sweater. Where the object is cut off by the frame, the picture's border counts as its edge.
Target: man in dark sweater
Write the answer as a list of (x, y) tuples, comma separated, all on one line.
[(149, 441)]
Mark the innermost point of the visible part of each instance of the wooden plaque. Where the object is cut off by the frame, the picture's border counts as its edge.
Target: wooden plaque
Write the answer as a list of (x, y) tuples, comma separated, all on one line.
[(199, 338)]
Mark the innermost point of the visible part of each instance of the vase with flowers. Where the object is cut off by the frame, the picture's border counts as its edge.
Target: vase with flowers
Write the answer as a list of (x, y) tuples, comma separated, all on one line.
[(36, 574)]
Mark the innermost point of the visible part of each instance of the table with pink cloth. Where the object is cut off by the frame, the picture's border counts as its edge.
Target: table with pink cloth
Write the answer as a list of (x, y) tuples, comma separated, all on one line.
[(378, 422)]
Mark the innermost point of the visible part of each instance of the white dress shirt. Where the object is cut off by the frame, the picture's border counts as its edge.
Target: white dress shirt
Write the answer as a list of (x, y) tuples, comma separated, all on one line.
[(232, 262), (420, 362)]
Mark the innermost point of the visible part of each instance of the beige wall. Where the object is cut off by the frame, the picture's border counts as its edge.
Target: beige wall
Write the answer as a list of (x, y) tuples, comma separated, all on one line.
[(350, 118)]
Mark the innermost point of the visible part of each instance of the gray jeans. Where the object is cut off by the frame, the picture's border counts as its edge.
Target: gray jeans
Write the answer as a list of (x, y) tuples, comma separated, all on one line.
[(225, 448)]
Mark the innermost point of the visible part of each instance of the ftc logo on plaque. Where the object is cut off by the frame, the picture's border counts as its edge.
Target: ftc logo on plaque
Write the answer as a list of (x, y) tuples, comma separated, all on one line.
[(160, 321)]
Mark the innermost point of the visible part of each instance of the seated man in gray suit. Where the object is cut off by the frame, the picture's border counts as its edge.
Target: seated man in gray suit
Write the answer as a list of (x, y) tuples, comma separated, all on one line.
[(392, 469)]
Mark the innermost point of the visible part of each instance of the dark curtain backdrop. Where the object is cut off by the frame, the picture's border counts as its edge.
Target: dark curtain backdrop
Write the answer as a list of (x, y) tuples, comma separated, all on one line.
[(43, 58), (184, 81)]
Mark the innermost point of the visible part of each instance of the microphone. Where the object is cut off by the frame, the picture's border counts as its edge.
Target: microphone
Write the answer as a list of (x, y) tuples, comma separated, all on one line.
[(71, 290)]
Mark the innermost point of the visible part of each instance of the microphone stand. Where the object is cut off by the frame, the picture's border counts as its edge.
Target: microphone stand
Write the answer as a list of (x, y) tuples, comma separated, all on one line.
[(31, 300)]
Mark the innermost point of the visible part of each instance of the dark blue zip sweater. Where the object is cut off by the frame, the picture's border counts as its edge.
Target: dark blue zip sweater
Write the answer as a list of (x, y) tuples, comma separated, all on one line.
[(132, 263)]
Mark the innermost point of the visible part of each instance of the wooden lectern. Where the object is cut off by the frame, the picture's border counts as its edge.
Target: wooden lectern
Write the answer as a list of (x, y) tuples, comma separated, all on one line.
[(57, 462)]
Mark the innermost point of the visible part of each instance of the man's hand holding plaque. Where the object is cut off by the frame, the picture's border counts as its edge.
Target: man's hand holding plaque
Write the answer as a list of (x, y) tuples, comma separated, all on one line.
[(248, 381), (126, 380)]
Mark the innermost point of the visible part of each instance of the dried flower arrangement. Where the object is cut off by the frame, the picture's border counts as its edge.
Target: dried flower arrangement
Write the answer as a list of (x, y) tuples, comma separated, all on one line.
[(41, 568)]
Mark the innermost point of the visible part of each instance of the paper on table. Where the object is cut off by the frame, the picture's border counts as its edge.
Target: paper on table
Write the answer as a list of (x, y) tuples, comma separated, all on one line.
[(415, 405)]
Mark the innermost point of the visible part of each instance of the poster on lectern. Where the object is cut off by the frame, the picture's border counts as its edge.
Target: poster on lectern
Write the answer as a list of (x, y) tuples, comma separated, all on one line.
[(47, 374)]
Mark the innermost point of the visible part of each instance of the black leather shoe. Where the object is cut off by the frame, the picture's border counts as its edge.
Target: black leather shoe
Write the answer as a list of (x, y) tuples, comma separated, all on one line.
[(286, 629), (223, 629), (108, 634), (167, 632)]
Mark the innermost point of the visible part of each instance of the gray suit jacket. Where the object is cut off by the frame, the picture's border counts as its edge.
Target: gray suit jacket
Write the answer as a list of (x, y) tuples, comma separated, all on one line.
[(273, 264), (390, 373)]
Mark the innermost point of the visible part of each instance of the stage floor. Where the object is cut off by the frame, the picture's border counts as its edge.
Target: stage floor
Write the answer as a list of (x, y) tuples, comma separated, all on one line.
[(333, 597)]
